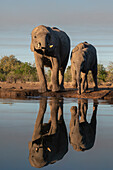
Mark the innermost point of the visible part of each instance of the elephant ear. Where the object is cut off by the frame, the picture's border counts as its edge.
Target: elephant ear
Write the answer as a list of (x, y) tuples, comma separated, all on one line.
[(32, 46), (75, 49), (29, 145), (85, 54)]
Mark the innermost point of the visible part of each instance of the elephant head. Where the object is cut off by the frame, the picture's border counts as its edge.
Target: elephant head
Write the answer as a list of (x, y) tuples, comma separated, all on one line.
[(42, 40)]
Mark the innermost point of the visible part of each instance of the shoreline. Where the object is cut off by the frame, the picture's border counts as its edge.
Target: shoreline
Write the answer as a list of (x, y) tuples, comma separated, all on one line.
[(29, 90)]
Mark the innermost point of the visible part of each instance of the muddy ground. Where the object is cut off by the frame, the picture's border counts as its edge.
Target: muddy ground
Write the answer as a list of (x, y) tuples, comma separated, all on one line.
[(28, 90)]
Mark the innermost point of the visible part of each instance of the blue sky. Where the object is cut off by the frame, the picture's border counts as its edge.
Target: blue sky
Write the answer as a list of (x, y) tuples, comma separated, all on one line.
[(83, 20), (56, 12)]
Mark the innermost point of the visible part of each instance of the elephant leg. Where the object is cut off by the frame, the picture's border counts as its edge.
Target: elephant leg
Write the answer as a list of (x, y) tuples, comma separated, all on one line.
[(54, 105), (84, 107), (73, 111), (86, 83), (93, 119), (50, 84), (39, 120), (94, 73), (83, 76), (61, 79), (54, 75), (60, 111), (74, 80), (79, 81), (41, 74)]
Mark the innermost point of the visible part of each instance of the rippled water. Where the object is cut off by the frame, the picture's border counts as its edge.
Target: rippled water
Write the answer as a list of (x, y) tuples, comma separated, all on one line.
[(69, 141)]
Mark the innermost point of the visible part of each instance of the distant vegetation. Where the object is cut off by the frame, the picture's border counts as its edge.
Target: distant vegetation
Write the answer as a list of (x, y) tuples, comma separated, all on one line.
[(104, 74), (13, 70)]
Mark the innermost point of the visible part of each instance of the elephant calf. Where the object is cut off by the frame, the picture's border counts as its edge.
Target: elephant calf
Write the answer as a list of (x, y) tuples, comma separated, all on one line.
[(83, 59), (82, 134), (51, 48)]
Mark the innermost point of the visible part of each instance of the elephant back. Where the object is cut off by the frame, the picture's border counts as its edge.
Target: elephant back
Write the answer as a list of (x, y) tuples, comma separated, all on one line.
[(40, 29), (64, 43), (87, 50)]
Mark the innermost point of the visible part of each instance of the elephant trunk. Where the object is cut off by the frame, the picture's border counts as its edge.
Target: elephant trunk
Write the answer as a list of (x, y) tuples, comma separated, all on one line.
[(40, 43)]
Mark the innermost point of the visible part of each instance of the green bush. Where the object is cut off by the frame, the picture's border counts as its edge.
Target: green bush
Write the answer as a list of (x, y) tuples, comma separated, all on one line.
[(102, 73), (67, 75), (110, 72), (2, 77), (48, 75), (12, 70)]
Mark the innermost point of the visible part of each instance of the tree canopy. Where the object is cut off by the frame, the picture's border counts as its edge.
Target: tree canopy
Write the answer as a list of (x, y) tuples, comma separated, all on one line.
[(11, 69)]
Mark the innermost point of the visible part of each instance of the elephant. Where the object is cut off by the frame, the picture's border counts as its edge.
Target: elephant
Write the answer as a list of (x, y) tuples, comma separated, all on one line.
[(82, 134), (83, 59), (49, 140), (51, 48)]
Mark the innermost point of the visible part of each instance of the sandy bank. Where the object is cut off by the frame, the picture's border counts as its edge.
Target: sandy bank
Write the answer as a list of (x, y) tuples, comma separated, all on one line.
[(26, 90)]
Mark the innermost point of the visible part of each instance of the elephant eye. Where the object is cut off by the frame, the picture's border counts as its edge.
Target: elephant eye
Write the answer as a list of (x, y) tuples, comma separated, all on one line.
[(37, 149), (35, 36)]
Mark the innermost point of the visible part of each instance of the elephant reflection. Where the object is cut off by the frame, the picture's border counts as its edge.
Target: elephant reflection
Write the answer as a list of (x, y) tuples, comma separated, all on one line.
[(82, 134), (49, 140)]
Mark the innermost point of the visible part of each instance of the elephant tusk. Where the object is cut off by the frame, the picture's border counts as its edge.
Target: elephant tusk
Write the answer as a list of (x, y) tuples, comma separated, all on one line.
[(50, 46), (39, 45), (49, 149)]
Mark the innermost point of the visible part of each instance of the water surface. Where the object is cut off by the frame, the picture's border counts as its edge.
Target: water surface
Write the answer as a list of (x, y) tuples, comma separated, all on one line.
[(66, 145)]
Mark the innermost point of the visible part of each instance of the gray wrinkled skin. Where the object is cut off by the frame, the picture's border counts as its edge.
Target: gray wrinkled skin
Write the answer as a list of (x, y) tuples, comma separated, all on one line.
[(51, 48), (82, 134), (49, 140), (83, 59)]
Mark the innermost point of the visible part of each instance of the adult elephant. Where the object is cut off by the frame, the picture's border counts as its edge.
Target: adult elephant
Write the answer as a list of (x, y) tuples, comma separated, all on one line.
[(49, 140), (51, 48), (83, 59)]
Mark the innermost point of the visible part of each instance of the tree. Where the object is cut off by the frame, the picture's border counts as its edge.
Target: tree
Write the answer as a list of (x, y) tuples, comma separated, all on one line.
[(48, 75), (12, 69), (110, 72), (102, 73), (2, 77), (67, 75), (8, 63)]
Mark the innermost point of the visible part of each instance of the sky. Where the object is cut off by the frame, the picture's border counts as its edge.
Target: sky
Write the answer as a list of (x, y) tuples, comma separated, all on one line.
[(83, 20)]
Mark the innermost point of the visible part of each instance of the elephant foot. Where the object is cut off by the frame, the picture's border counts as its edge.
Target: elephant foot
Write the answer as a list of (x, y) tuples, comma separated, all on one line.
[(43, 90), (74, 85), (87, 87), (79, 93), (83, 91), (95, 88), (50, 86), (62, 88), (56, 89)]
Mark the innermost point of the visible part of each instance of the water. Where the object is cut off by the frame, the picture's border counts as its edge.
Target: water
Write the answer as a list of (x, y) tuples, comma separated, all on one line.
[(19, 126)]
